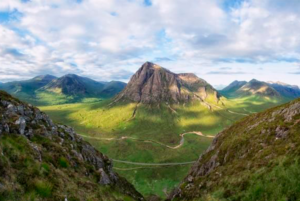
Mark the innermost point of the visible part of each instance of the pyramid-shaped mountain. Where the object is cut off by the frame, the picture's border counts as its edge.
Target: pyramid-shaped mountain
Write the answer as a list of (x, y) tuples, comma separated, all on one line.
[(155, 84)]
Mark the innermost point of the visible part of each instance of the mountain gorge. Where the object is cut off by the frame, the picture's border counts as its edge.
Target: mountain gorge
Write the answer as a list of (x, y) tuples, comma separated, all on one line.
[(41, 160), (153, 84)]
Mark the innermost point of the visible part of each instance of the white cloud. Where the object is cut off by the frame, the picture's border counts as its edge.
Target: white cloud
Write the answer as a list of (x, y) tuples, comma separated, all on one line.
[(110, 39)]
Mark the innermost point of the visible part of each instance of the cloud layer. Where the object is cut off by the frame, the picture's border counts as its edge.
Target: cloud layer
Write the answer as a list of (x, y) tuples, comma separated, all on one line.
[(110, 39)]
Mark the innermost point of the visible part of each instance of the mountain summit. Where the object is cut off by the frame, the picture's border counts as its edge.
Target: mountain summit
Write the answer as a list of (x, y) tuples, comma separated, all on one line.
[(155, 84)]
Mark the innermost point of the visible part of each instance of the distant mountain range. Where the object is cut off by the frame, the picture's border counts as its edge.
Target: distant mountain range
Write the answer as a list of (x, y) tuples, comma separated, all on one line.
[(68, 88), (261, 89), (153, 84)]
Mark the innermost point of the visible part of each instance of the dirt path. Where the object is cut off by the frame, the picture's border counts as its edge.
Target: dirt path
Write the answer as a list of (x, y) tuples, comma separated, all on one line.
[(152, 164), (153, 141), (230, 111)]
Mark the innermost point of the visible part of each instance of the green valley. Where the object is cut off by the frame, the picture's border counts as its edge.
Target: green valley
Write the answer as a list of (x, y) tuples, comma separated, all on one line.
[(105, 127)]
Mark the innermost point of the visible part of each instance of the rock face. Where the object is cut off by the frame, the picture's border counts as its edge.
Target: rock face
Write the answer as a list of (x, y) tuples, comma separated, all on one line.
[(251, 147), (21, 119), (153, 84)]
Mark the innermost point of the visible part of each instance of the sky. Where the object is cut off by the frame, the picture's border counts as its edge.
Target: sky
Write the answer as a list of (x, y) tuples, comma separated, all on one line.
[(218, 40)]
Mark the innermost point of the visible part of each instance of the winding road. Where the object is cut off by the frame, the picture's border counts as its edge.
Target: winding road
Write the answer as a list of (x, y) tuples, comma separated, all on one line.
[(152, 164), (153, 141)]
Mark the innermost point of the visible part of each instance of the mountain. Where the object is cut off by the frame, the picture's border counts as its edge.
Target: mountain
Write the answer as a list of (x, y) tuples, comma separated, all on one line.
[(49, 90), (286, 90), (271, 90), (255, 87), (256, 158), (234, 86), (112, 88), (252, 88), (74, 85), (27, 87), (41, 160), (153, 84)]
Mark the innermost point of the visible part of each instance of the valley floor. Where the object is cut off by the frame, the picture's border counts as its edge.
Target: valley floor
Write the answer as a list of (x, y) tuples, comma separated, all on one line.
[(153, 147)]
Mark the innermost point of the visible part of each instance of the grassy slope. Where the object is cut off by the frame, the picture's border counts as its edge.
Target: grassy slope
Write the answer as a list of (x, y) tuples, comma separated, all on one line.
[(45, 167), (254, 162), (23, 177), (160, 124)]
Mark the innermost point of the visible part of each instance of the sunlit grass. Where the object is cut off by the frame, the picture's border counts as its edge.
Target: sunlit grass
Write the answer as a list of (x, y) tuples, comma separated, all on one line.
[(158, 123)]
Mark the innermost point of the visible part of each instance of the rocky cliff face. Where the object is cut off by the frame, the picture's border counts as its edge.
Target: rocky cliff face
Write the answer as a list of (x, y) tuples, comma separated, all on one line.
[(155, 84), (255, 159), (43, 160)]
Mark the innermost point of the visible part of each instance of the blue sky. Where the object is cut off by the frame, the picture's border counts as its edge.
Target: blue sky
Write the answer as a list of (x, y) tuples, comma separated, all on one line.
[(219, 40)]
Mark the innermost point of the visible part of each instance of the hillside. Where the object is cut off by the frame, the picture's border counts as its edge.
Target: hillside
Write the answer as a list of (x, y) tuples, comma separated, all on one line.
[(252, 88), (71, 88), (261, 90), (286, 90), (146, 122), (41, 160), (153, 84), (26, 88), (234, 86), (256, 158), (112, 88), (74, 85)]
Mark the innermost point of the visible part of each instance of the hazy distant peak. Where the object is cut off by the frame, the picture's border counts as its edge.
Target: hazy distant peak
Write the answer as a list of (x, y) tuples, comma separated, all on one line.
[(44, 77)]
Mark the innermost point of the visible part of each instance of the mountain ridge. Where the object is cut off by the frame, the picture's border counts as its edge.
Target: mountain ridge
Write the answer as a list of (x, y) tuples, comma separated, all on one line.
[(48, 89), (153, 84), (262, 89)]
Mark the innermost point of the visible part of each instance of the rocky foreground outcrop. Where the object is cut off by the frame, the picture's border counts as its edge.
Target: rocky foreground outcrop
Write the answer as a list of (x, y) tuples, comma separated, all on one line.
[(50, 161), (255, 159), (153, 84)]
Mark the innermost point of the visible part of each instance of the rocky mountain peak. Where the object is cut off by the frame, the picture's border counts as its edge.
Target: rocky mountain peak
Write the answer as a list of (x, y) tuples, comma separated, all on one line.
[(155, 84)]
